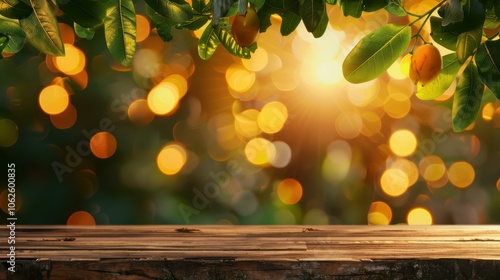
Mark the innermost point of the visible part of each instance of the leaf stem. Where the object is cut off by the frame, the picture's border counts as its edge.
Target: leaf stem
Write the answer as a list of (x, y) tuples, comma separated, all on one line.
[(427, 15)]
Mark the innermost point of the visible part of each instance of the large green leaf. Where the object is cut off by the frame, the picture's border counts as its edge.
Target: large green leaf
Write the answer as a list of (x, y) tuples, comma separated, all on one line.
[(208, 43), (374, 5), (176, 11), (163, 25), (353, 8), (467, 43), (120, 30), (468, 17), (487, 59), (15, 9), (42, 30), (84, 32), (446, 36), (84, 12), (198, 5), (165, 32), (376, 52), (226, 38), (157, 17), (16, 35), (311, 12), (287, 10), (438, 86), (467, 98), (194, 23), (323, 24)]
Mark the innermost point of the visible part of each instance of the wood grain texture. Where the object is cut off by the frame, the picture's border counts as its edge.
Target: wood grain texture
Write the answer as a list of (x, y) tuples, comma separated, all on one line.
[(255, 252)]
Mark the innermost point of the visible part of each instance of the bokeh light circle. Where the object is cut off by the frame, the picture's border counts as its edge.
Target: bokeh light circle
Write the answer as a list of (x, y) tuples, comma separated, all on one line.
[(289, 191), (403, 143), (419, 216), (461, 174), (53, 99), (103, 144), (171, 159), (80, 218), (8, 133)]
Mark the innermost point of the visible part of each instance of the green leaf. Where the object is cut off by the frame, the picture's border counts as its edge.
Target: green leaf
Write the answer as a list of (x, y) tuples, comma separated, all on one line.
[(288, 10), (473, 15), (164, 31), (374, 5), (257, 4), (198, 5), (311, 12), (42, 30), (289, 23), (467, 98), (487, 59), (176, 11), (86, 13), (353, 8), (467, 43), (331, 2), (395, 7), (225, 36), (446, 36), (16, 35), (438, 86), (84, 32), (163, 25), (193, 24), (157, 18), (120, 30), (15, 9), (376, 52), (321, 28), (208, 43), (232, 11)]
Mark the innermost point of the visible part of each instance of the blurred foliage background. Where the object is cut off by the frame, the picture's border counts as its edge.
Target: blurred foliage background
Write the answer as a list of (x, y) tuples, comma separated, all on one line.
[(281, 138)]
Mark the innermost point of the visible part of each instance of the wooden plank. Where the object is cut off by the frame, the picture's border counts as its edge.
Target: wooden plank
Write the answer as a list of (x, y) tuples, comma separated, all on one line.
[(255, 252)]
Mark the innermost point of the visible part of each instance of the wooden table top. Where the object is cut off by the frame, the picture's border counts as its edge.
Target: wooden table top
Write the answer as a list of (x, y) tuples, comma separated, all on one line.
[(209, 246), (259, 242)]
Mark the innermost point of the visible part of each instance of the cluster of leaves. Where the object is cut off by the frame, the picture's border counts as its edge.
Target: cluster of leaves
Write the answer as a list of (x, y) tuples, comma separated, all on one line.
[(459, 28), (36, 21)]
